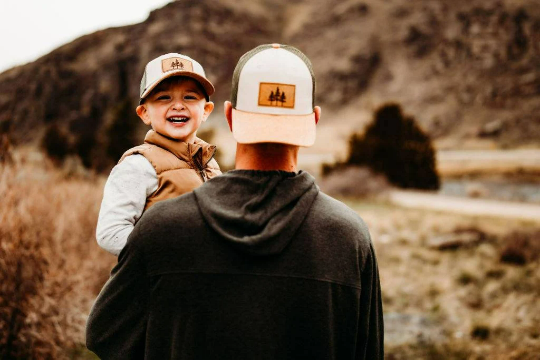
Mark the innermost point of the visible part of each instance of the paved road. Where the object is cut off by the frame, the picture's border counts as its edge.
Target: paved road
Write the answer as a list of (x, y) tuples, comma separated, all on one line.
[(505, 209)]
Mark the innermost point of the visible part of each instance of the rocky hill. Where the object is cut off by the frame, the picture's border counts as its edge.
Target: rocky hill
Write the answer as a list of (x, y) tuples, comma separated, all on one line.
[(467, 70)]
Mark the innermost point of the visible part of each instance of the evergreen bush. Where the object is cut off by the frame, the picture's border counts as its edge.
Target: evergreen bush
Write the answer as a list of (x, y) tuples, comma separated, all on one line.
[(121, 133), (55, 143), (395, 146)]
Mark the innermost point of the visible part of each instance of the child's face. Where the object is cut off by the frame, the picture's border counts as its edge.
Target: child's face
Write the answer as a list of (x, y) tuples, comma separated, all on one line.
[(176, 109)]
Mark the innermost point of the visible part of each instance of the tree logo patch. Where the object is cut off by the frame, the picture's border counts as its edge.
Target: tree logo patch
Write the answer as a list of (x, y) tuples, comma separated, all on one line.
[(277, 95), (176, 63)]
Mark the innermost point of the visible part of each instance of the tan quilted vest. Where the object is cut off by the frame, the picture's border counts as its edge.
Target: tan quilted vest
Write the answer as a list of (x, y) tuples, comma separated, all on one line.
[(180, 167)]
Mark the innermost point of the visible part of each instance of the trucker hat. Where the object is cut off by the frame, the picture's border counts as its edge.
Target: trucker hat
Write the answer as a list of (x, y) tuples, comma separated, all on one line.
[(273, 97), (173, 64)]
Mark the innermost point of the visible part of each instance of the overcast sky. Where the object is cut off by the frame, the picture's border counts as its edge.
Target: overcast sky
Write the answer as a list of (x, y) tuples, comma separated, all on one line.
[(32, 28)]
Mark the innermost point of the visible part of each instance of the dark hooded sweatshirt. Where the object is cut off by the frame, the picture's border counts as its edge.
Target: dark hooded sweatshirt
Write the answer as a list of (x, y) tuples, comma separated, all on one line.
[(251, 265)]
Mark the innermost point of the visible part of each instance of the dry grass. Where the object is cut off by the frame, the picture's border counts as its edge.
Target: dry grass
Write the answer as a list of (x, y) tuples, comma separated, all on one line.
[(521, 248), (487, 309), (50, 266), (481, 307)]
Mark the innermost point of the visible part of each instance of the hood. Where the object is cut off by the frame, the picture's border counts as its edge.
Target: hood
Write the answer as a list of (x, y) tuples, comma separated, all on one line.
[(258, 212)]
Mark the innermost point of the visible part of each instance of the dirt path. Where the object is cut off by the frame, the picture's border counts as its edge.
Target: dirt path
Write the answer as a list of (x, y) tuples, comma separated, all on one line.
[(459, 162), (452, 162), (506, 209)]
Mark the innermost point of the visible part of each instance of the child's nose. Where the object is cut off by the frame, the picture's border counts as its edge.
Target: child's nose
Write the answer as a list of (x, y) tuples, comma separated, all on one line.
[(178, 105)]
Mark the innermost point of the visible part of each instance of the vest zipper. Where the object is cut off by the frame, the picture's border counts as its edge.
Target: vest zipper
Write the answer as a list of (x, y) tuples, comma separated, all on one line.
[(200, 167), (203, 176)]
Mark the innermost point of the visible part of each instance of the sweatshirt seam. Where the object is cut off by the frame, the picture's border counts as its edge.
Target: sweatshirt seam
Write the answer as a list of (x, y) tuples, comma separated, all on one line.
[(258, 274)]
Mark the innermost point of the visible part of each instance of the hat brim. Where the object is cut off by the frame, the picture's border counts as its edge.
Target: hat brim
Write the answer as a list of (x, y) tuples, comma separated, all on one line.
[(207, 85), (252, 128)]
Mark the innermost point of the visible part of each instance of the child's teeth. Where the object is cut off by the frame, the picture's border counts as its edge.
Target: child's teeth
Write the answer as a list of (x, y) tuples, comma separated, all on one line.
[(178, 119)]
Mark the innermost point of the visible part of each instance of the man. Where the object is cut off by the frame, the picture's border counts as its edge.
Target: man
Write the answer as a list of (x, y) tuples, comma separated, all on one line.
[(256, 263)]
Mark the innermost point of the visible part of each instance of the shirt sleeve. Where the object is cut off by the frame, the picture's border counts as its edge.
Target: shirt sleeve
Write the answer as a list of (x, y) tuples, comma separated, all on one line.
[(116, 326), (370, 341), (124, 197)]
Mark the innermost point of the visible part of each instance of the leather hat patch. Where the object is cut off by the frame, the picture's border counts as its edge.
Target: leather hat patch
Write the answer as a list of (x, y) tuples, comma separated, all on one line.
[(277, 95), (176, 63)]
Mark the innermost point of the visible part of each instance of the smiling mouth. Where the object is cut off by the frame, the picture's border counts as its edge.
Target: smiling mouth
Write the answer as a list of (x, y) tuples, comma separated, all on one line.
[(178, 119)]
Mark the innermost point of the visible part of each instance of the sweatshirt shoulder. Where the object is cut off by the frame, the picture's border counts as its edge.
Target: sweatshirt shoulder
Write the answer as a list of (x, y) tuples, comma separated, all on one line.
[(170, 212), (334, 207), (166, 223), (335, 214)]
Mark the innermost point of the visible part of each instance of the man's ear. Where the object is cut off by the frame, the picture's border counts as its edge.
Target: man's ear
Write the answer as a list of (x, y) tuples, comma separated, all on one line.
[(143, 114), (208, 108), (227, 108), (317, 110)]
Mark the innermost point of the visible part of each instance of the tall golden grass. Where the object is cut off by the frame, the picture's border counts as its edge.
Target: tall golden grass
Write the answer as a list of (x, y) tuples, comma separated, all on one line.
[(480, 296), (50, 266)]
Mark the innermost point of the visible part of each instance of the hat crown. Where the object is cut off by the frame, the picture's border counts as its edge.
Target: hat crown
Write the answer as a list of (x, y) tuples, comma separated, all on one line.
[(275, 81), (273, 97), (273, 64), (172, 64)]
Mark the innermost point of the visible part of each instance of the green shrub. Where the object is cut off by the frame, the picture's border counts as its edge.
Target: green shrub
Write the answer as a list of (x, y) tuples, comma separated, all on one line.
[(121, 133), (55, 143), (480, 332), (521, 248), (395, 146), (466, 278), (6, 157)]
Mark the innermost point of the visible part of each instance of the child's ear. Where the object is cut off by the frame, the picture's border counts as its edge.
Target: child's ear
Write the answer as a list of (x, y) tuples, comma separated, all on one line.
[(208, 108), (143, 114)]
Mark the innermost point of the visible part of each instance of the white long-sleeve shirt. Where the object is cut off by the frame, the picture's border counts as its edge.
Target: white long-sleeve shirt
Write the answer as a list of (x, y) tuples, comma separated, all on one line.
[(124, 197)]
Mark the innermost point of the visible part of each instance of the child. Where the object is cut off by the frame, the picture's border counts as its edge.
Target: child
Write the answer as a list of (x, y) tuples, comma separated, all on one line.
[(174, 101)]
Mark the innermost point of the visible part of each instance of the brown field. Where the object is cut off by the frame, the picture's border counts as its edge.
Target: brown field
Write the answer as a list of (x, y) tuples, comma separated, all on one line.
[(476, 300), (463, 302), (51, 268)]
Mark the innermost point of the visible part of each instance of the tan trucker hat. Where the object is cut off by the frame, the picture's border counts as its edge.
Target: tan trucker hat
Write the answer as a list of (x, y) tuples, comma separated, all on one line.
[(272, 97), (173, 64)]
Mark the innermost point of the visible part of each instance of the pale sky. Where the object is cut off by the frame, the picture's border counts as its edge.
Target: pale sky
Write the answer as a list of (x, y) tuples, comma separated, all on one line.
[(32, 28)]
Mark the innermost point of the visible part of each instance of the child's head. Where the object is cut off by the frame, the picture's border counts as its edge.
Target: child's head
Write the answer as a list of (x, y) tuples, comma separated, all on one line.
[(175, 96)]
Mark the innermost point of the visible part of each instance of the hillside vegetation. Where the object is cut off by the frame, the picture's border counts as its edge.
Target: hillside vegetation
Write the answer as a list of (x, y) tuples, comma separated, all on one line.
[(454, 287), (469, 71)]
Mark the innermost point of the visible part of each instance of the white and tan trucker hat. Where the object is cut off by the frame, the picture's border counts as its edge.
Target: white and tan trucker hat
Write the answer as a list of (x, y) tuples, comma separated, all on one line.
[(273, 93), (173, 64)]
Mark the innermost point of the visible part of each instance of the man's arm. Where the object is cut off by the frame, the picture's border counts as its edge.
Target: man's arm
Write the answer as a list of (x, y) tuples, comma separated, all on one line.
[(116, 327), (124, 198), (370, 342)]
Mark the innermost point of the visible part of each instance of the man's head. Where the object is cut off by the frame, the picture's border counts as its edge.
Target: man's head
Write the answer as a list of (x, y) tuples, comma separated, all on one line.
[(273, 97), (174, 96)]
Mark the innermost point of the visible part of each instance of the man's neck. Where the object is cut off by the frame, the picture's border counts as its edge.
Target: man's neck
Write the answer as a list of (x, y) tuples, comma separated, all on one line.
[(266, 156)]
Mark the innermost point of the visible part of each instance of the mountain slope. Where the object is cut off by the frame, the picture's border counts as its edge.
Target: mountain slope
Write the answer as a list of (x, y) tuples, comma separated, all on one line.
[(468, 71)]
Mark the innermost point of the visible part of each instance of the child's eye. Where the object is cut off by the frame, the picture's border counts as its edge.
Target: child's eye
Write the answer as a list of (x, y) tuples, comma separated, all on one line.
[(190, 97), (164, 97)]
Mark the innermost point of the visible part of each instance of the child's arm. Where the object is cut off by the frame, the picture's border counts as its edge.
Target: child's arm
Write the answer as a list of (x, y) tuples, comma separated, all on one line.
[(124, 198)]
